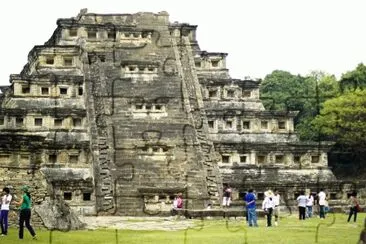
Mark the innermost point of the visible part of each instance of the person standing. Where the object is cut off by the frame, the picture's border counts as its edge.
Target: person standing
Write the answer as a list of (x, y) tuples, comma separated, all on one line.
[(268, 205), (25, 204), (309, 205), (301, 200), (322, 201), (5, 203), (226, 201), (250, 199), (353, 203), (276, 210)]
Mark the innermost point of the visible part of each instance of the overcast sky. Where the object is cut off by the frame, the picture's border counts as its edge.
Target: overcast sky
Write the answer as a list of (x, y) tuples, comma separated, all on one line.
[(259, 35)]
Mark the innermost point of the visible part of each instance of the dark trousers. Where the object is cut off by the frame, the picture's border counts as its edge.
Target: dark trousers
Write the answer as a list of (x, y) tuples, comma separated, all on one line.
[(269, 216), (322, 211), (302, 213), (353, 210), (4, 221), (25, 215)]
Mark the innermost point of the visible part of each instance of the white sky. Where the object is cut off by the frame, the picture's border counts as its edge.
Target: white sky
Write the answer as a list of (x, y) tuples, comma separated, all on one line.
[(260, 35)]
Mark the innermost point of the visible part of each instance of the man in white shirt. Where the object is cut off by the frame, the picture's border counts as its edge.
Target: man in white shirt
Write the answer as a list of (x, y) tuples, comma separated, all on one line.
[(322, 201), (276, 200), (268, 206), (301, 200), (5, 203)]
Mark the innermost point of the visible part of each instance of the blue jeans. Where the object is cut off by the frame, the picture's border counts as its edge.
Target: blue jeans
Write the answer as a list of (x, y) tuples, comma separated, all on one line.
[(252, 217), (309, 211), (4, 221)]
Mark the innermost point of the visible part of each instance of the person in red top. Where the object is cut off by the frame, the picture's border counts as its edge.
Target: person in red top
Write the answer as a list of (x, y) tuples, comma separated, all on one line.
[(177, 204), (179, 201)]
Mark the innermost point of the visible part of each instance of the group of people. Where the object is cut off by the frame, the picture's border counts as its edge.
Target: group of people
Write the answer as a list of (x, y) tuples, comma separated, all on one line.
[(25, 205), (306, 203), (270, 206), (271, 202)]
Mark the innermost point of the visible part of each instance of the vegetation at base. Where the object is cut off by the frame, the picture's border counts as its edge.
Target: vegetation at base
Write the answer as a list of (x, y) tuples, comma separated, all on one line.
[(290, 230)]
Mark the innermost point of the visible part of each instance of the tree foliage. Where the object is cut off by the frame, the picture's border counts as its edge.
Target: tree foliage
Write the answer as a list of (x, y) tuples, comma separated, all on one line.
[(282, 90), (328, 110), (354, 79), (343, 118)]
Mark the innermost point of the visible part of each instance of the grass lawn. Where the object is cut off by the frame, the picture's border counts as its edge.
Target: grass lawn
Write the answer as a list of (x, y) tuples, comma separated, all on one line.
[(334, 229)]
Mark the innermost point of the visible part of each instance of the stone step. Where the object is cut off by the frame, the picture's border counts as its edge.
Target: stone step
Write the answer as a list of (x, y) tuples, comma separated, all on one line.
[(206, 157), (212, 189), (211, 178), (102, 157), (207, 164)]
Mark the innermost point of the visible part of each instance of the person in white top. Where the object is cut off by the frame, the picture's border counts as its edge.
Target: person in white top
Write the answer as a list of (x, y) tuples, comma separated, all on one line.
[(5, 203), (301, 200), (268, 205), (276, 210), (322, 202), (309, 206)]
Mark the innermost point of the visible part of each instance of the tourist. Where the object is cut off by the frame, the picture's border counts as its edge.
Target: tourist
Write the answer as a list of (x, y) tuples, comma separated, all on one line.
[(180, 201), (25, 213), (322, 202), (246, 208), (354, 205), (276, 210), (268, 205), (226, 196), (250, 199), (5, 203), (309, 205), (177, 204), (301, 200)]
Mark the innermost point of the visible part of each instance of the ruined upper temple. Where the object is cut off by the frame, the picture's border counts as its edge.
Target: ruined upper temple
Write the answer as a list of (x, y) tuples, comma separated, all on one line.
[(116, 113)]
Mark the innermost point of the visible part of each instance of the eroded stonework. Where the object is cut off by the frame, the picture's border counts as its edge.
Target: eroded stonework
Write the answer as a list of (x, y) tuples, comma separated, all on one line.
[(117, 113)]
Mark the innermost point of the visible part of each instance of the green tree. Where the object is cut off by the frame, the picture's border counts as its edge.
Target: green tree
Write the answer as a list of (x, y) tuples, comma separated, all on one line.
[(343, 118), (326, 87), (282, 90), (354, 79)]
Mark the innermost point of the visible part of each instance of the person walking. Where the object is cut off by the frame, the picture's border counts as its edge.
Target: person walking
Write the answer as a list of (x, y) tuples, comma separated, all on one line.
[(322, 202), (268, 205), (353, 204), (250, 199), (309, 205), (5, 203), (25, 204), (301, 200), (276, 210)]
